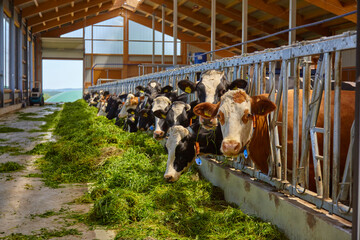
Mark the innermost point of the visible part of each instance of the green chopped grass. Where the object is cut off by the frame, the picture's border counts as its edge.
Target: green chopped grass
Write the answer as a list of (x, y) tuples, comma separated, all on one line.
[(129, 193), (43, 233), (10, 167), (4, 129)]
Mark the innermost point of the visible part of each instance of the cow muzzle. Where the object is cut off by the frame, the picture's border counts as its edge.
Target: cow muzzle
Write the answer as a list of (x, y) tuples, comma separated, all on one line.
[(169, 178), (230, 148), (159, 134)]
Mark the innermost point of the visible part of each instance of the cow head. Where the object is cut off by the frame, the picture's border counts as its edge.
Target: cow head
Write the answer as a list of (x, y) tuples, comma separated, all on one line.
[(181, 153), (130, 103), (161, 129), (146, 119), (132, 120), (235, 113), (153, 88), (178, 114), (210, 88)]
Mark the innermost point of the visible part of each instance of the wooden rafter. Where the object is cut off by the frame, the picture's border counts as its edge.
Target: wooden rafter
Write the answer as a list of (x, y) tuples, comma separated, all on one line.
[(233, 3), (336, 7), (62, 12), (20, 2), (69, 18), (44, 6)]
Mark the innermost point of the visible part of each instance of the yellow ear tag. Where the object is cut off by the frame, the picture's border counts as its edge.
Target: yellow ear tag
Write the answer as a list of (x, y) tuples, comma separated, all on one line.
[(206, 113), (132, 112), (145, 115), (163, 115), (132, 119), (165, 90), (235, 88), (188, 89), (141, 91), (194, 117)]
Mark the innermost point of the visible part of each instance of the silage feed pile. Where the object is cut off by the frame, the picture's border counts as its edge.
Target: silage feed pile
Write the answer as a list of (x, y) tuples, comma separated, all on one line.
[(128, 191)]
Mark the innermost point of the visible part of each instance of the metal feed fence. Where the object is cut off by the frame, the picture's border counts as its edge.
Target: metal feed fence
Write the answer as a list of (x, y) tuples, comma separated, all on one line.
[(259, 69)]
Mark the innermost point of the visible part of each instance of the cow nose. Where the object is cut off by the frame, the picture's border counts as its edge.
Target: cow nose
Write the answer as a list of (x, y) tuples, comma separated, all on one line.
[(142, 129), (168, 178), (230, 147), (158, 134)]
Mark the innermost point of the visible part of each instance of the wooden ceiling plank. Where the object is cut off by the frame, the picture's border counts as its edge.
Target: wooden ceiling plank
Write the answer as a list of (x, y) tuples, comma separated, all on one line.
[(62, 12), (233, 3), (335, 7), (44, 6), (69, 18), (20, 2)]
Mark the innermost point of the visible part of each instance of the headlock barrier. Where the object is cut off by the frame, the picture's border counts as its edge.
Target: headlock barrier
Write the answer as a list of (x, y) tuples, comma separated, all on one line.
[(274, 71)]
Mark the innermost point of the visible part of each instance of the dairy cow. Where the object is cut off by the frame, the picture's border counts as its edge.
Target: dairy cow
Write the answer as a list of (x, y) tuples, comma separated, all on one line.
[(184, 144), (244, 125), (212, 85)]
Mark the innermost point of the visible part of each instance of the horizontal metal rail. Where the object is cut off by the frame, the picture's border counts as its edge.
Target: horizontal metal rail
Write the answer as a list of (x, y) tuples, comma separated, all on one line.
[(258, 69)]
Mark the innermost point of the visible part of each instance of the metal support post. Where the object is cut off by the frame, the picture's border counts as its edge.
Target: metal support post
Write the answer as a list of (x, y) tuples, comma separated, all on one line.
[(12, 58), (292, 21), (2, 52), (20, 57), (356, 156), (163, 34), (153, 43), (213, 28), (244, 27), (175, 14)]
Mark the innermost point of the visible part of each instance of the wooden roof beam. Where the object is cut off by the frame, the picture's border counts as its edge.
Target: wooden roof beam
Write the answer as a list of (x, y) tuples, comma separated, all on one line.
[(233, 3), (69, 18), (336, 7), (62, 12), (44, 6), (20, 2)]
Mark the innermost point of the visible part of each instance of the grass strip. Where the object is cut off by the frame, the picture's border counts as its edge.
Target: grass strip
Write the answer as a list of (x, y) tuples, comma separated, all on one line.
[(10, 167), (129, 193), (4, 129)]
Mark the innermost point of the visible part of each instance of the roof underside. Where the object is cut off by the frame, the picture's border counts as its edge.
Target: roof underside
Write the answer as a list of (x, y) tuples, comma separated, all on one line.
[(53, 18)]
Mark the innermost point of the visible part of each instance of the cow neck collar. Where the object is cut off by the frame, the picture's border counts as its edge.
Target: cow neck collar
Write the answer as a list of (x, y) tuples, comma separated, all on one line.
[(246, 146)]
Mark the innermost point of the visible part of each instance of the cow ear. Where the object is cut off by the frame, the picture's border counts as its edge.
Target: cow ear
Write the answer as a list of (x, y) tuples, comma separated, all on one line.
[(187, 86), (207, 110), (261, 105), (145, 113), (166, 89), (237, 84), (187, 107), (160, 114)]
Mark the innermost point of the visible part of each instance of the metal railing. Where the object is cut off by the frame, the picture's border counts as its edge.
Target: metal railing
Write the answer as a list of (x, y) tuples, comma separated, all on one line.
[(259, 68)]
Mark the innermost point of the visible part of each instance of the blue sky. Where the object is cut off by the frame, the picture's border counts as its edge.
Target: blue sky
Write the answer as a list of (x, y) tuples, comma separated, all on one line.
[(59, 74)]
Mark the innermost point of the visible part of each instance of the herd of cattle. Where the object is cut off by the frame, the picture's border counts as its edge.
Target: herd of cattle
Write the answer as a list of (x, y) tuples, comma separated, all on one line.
[(224, 120)]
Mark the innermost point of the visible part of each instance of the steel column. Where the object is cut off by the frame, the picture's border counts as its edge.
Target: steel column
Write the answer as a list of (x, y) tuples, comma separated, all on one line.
[(356, 156), (213, 28), (12, 56), (175, 26), (2, 52), (244, 23), (20, 58), (163, 34), (153, 43), (292, 21)]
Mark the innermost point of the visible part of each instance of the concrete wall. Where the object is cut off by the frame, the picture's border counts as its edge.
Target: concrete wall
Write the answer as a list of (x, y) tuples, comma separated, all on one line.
[(295, 217)]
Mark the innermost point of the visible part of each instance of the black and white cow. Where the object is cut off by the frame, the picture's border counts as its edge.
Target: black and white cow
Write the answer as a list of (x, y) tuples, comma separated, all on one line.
[(184, 144), (212, 85), (132, 120)]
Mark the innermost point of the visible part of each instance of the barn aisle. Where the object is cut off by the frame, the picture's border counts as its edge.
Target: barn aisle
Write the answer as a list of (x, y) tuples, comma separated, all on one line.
[(27, 206)]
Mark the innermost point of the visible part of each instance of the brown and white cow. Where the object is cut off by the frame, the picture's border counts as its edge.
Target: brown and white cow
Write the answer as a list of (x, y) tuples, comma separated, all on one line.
[(130, 103), (243, 123)]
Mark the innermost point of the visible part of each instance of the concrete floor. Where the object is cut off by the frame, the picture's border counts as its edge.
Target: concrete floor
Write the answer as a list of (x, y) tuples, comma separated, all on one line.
[(23, 198)]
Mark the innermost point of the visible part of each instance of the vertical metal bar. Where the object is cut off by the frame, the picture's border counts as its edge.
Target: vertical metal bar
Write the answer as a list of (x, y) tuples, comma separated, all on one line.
[(284, 132), (20, 58), (163, 34), (175, 20), (244, 25), (262, 78), (295, 160), (327, 125), (356, 156), (305, 111), (12, 58), (2, 53), (258, 80), (153, 43), (213, 28), (337, 124), (292, 21)]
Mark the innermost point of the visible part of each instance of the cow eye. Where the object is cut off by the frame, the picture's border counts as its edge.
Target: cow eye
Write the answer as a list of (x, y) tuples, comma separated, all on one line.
[(249, 115)]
